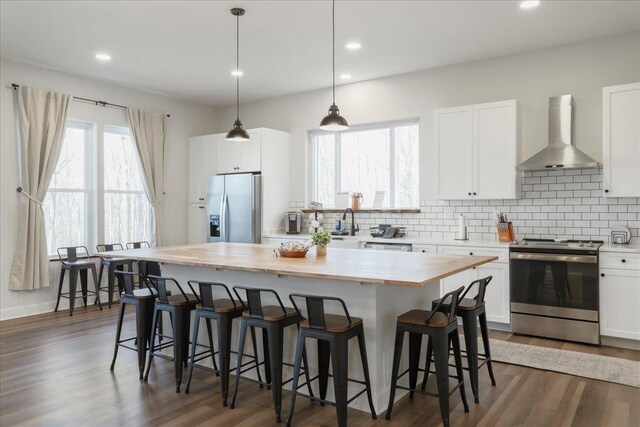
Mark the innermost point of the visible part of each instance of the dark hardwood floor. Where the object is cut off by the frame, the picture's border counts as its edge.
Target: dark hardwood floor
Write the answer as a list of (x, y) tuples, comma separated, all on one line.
[(54, 370)]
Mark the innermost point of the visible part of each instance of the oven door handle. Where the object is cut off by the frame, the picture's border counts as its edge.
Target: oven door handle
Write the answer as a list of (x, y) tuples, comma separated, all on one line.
[(582, 259)]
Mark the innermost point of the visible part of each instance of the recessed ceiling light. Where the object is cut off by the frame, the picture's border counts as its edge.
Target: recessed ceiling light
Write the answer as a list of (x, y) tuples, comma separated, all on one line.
[(529, 4), (345, 76), (237, 73), (353, 46), (104, 57)]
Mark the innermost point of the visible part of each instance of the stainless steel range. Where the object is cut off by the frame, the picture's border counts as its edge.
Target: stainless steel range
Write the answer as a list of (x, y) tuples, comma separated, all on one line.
[(554, 289)]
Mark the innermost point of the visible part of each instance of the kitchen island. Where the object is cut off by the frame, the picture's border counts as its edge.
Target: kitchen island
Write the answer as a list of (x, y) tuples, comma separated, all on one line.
[(377, 286)]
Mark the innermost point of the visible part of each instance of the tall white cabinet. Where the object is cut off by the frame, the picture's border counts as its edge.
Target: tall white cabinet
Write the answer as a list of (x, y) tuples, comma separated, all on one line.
[(476, 151), (621, 140), (267, 153), (202, 163)]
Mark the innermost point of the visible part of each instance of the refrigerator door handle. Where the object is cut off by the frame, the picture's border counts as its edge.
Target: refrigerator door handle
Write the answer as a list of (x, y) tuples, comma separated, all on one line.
[(223, 217)]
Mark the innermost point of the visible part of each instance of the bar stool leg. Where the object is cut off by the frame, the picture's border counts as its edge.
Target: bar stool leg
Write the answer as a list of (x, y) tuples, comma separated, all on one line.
[(111, 276), (307, 377), (100, 279), (485, 340), (427, 363), (340, 365), (267, 359), (365, 369), (194, 339), (211, 347), (324, 356), (224, 355), (415, 341), (83, 284), (95, 284), (154, 328), (180, 332), (255, 354), (470, 327), (455, 339), (62, 271), (141, 339), (397, 353), (296, 375), (241, 338), (441, 353), (275, 359), (118, 331), (73, 282)]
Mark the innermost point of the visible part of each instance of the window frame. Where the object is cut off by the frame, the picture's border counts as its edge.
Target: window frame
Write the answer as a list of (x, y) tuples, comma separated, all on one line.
[(361, 128), (89, 189), (125, 131)]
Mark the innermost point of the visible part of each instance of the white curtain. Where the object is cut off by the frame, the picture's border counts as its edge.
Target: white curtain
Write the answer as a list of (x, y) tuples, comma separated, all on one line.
[(42, 116), (149, 133)]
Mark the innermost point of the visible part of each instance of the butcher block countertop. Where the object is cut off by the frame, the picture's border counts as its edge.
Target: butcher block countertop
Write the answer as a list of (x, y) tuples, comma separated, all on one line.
[(385, 267)]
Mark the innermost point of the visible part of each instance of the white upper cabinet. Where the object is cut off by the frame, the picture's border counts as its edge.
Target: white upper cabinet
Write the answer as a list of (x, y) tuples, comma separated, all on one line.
[(454, 138), (477, 151), (239, 156), (202, 151), (621, 140), (494, 150)]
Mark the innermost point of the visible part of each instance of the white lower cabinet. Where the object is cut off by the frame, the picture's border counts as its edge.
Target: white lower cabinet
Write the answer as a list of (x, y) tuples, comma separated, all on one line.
[(619, 297), (497, 294), (425, 249), (197, 224)]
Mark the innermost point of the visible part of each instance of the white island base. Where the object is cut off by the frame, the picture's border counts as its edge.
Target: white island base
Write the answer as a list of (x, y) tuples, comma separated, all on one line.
[(377, 304)]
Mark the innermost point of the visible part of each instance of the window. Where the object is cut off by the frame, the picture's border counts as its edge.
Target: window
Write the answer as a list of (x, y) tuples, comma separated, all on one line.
[(66, 204), (367, 160), (127, 211), (88, 204)]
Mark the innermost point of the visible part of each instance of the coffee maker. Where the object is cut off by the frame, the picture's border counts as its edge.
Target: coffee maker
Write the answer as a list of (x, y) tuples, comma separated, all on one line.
[(292, 222)]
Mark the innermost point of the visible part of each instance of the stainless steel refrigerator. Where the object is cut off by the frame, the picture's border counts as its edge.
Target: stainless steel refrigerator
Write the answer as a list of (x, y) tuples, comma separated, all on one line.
[(234, 209)]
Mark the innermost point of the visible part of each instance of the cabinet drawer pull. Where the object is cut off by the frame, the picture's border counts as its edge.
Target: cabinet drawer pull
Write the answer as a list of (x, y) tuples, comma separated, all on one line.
[(474, 193), (601, 274), (471, 253), (606, 191), (624, 260)]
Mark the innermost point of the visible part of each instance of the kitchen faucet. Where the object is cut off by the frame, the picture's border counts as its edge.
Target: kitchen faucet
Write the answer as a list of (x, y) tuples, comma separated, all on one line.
[(353, 222)]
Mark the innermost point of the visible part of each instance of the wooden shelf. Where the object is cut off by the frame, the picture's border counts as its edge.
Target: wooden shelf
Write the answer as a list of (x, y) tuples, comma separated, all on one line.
[(364, 210)]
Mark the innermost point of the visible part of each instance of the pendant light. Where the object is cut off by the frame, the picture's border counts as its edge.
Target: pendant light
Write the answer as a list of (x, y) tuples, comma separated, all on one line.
[(334, 121), (237, 133)]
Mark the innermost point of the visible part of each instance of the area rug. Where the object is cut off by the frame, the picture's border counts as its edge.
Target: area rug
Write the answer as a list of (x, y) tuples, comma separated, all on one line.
[(604, 368)]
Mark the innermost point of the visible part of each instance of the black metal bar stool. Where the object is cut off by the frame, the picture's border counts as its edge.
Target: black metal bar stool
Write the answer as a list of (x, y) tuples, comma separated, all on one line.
[(143, 300), (223, 311), (112, 264), (332, 333), (272, 319), (76, 260), (472, 310), (179, 308), (441, 326)]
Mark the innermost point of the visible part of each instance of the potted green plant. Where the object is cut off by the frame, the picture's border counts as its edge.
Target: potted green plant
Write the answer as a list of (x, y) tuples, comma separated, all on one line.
[(321, 239)]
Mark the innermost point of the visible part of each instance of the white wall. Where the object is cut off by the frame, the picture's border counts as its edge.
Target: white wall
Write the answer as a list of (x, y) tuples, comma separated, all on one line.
[(580, 69), (187, 119)]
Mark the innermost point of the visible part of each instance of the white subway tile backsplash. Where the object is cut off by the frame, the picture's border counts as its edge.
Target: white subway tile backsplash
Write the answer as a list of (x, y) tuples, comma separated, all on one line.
[(556, 204)]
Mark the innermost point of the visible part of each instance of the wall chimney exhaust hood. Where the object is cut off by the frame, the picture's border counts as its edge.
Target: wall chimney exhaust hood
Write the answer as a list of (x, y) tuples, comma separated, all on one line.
[(560, 153)]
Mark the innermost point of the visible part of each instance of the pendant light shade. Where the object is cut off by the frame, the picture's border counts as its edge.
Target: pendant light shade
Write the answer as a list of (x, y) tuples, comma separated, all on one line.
[(237, 133), (334, 121)]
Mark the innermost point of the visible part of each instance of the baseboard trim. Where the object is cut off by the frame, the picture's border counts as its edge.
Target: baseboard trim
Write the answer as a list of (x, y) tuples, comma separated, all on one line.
[(620, 342), (29, 310)]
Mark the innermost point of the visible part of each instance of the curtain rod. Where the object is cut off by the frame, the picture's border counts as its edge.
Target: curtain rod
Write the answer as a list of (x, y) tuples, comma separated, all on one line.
[(15, 86)]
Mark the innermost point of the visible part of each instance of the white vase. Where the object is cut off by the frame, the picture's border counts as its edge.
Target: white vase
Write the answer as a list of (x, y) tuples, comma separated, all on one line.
[(321, 250)]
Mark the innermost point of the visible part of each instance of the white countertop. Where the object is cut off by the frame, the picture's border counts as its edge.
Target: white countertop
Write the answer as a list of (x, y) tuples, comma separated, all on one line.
[(610, 247), (406, 240)]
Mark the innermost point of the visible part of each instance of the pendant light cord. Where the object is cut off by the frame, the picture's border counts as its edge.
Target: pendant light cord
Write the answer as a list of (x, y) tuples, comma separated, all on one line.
[(333, 28), (237, 67)]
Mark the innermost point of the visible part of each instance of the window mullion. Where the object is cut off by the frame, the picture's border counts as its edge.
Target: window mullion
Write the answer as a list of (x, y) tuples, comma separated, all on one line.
[(338, 150), (392, 168)]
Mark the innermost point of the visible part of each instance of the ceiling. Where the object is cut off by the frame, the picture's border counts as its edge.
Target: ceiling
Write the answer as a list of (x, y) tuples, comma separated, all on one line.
[(186, 49)]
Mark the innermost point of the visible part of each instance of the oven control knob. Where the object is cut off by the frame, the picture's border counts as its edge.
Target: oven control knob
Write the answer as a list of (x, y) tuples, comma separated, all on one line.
[(524, 243), (580, 244), (590, 244)]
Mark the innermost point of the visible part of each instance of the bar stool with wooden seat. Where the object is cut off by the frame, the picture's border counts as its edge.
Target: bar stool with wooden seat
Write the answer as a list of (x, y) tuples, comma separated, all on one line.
[(179, 308), (111, 264), (223, 311), (441, 326), (332, 333), (143, 300), (76, 260), (471, 310), (272, 319)]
